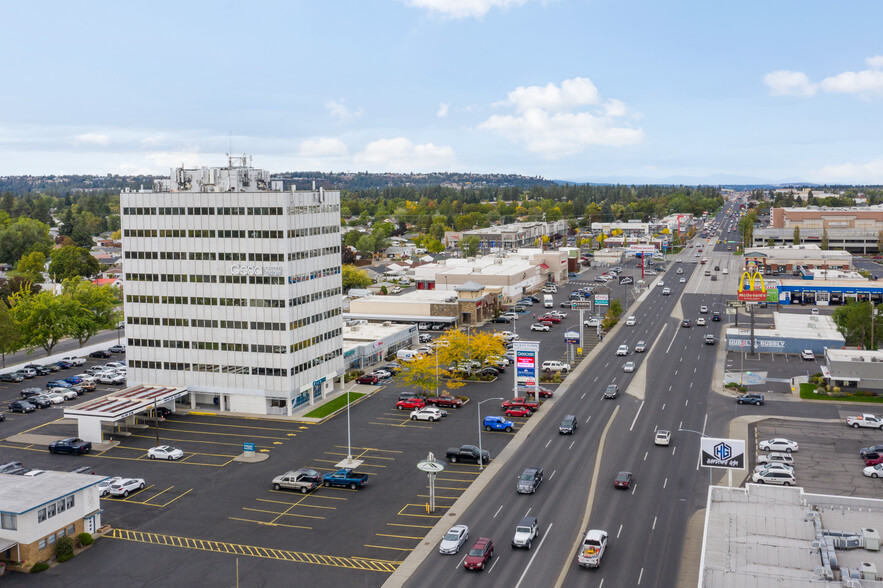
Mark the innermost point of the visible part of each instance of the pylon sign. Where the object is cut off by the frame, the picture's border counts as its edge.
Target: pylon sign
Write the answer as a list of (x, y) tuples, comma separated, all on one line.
[(756, 291)]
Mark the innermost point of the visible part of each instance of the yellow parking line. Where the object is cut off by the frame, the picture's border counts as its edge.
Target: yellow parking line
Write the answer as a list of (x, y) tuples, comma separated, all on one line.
[(225, 434), (361, 456), (449, 488), (201, 441), (176, 498), (440, 497), (265, 523), (297, 504), (159, 493), (273, 512), (384, 547), (372, 449), (399, 536), (311, 495), (405, 525)]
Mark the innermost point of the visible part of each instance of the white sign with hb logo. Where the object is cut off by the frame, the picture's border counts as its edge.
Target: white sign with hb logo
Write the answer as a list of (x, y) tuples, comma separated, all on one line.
[(722, 453)]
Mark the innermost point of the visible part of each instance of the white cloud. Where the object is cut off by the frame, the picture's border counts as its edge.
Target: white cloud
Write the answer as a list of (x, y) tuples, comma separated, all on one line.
[(92, 139), (571, 93), (789, 83), (339, 110), (875, 61), (400, 154), (463, 8), (323, 147), (184, 157), (866, 83), (555, 122), (870, 172), (443, 109)]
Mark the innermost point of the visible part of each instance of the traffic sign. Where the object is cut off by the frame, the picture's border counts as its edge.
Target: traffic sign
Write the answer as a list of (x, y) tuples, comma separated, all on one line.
[(626, 280), (736, 303)]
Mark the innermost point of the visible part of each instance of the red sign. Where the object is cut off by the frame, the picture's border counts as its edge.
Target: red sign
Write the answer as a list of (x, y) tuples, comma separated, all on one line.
[(752, 295)]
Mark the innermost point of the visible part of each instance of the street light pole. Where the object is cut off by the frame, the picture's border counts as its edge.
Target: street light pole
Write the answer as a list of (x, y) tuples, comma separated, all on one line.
[(480, 453), (700, 433)]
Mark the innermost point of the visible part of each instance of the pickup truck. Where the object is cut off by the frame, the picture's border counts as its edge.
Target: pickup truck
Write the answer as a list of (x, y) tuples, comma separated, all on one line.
[(70, 445), (303, 479), (865, 420), (592, 549), (467, 453), (446, 401), (345, 477), (520, 401)]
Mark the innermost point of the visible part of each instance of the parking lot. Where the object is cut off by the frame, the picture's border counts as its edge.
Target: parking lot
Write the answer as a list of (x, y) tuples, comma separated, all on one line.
[(828, 460)]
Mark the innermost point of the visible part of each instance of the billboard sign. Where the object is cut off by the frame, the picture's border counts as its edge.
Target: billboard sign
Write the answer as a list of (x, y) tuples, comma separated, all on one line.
[(751, 287), (602, 299), (527, 362), (571, 337), (635, 248), (626, 280), (728, 454)]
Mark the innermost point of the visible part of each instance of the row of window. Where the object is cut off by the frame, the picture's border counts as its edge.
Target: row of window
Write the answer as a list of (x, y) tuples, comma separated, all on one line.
[(306, 277), (54, 508), (314, 296), (206, 301), (204, 323), (206, 279), (308, 253), (226, 346), (231, 233), (316, 361), (203, 210), (50, 539)]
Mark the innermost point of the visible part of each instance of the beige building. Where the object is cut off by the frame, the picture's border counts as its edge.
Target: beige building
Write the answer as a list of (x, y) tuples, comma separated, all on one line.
[(867, 218), (788, 258)]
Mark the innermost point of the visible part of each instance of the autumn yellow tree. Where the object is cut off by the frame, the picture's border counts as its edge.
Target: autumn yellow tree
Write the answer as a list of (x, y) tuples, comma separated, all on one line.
[(420, 374)]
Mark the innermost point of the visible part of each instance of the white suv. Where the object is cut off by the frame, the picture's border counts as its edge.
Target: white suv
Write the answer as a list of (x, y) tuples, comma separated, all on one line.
[(774, 477), (622, 350), (631, 321), (556, 366)]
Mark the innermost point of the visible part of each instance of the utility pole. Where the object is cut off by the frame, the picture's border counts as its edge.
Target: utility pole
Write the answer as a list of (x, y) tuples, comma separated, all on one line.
[(752, 329)]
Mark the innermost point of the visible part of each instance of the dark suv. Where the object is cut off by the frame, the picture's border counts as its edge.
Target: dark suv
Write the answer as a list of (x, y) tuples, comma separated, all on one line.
[(568, 425), (529, 480), (750, 399)]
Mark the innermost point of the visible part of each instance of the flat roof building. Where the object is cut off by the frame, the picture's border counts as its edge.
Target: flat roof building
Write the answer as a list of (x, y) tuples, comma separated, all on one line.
[(792, 333), (857, 369), (233, 288), (511, 236), (789, 257), (861, 241), (822, 217), (366, 342)]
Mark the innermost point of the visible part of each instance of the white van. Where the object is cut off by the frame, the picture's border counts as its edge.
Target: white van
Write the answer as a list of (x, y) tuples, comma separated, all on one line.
[(408, 355), (547, 301)]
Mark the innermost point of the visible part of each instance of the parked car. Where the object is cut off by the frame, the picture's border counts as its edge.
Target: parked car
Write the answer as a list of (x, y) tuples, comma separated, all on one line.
[(11, 377), (539, 327), (373, 379), (497, 423), (101, 354), (502, 319), (126, 486), (874, 471), (22, 406), (774, 477), (411, 404), (778, 444), (74, 360), (11, 467), (555, 366), (871, 449), (446, 401), (520, 401), (70, 445), (303, 480), (104, 485), (165, 452), (428, 413), (808, 354), (112, 378), (592, 322), (40, 370), (872, 459), (61, 364), (88, 470), (454, 539), (751, 398), (58, 384), (529, 392), (623, 480), (775, 457), (480, 554), (73, 380), (41, 401), (779, 467), (518, 411), (28, 392)]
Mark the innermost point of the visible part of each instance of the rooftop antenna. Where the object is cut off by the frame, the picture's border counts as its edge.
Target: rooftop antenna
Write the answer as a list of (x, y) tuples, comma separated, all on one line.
[(230, 149)]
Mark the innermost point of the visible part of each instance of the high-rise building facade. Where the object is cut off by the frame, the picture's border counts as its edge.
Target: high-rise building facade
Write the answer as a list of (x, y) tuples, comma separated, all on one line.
[(233, 288)]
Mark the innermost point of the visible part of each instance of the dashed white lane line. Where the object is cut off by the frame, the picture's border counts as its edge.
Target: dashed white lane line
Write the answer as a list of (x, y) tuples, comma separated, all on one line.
[(618, 532), (498, 511), (637, 415)]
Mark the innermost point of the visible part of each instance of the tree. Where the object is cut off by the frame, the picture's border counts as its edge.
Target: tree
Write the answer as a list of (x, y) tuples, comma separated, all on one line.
[(10, 336), (421, 374), (824, 243), (880, 242), (10, 286), (433, 245), (365, 245), (797, 235), (71, 261), (43, 318), (21, 237), (30, 267), (93, 308), (614, 312), (469, 244), (854, 322), (771, 242), (353, 277)]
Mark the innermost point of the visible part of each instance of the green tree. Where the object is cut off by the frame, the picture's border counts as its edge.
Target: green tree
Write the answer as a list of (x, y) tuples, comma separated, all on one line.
[(365, 245), (10, 336), (353, 277), (614, 312), (824, 244), (854, 321), (797, 235), (11, 285), (421, 374), (71, 261), (43, 318), (433, 245), (93, 308), (771, 242), (469, 244), (22, 236), (30, 267)]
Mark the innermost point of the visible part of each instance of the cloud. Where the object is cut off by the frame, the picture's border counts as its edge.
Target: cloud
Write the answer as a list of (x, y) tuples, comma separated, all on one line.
[(322, 147), (870, 172), (789, 83), (866, 83), (443, 109), (400, 154), (555, 122), (98, 139), (341, 111), (875, 61), (571, 93), (463, 8)]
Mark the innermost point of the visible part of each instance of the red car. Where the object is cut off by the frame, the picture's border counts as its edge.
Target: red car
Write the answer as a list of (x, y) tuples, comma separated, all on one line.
[(623, 480), (446, 401), (872, 459), (551, 319), (520, 401), (368, 379), (519, 411), (544, 393), (480, 554), (410, 404)]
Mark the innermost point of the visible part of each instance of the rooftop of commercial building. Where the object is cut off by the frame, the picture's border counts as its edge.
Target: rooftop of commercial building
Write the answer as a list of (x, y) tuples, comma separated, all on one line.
[(808, 251), (860, 355), (766, 536), (20, 494), (412, 297), (792, 325), (362, 331)]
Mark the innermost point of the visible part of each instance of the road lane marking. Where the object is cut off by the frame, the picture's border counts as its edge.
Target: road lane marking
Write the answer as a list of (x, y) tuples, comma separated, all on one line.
[(686, 402), (547, 443), (675, 448), (588, 419), (620, 531), (493, 565), (540, 546), (552, 474), (498, 511), (641, 575), (646, 453), (665, 483), (675, 334), (663, 406), (584, 394), (634, 488), (637, 415), (460, 565), (653, 528)]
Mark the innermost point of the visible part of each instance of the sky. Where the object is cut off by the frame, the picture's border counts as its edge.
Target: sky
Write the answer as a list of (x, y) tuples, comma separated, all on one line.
[(579, 90)]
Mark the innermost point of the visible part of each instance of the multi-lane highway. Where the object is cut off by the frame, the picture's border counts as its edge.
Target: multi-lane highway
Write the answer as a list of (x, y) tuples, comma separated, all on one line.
[(646, 523)]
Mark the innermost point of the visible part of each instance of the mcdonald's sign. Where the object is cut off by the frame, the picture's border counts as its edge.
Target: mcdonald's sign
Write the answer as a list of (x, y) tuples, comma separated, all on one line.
[(753, 293)]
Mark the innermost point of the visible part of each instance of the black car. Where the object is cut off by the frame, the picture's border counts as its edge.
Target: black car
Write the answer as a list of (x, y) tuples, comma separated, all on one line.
[(750, 399), (21, 406), (489, 371), (872, 449), (2, 417), (41, 370), (534, 299), (28, 392), (70, 445), (568, 425), (162, 412), (716, 316), (40, 401), (11, 377), (100, 354), (117, 349)]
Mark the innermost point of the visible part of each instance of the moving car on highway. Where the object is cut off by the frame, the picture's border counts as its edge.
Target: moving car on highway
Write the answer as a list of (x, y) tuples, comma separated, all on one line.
[(454, 539)]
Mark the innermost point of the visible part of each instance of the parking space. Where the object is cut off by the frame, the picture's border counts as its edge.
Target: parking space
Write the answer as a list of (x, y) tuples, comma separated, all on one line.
[(828, 460), (776, 369)]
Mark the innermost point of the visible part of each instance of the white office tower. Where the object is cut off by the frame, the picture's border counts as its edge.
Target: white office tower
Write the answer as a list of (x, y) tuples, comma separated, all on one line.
[(233, 288)]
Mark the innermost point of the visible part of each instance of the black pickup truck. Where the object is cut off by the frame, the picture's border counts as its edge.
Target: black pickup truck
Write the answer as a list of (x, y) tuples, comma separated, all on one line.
[(467, 453)]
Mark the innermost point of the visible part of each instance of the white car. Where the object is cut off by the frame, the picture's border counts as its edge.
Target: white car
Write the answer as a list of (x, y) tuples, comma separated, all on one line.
[(703, 310), (87, 377), (814, 311), (622, 350), (683, 280), (631, 321), (539, 327), (430, 413), (780, 467), (512, 316), (700, 322), (660, 284), (454, 539), (592, 322), (56, 397), (111, 378), (126, 485), (116, 365), (774, 477), (778, 444), (662, 437), (775, 458), (560, 314), (104, 485), (383, 374), (725, 271), (808, 355), (556, 366), (77, 361), (629, 367), (164, 452), (666, 291), (874, 471), (68, 393)]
